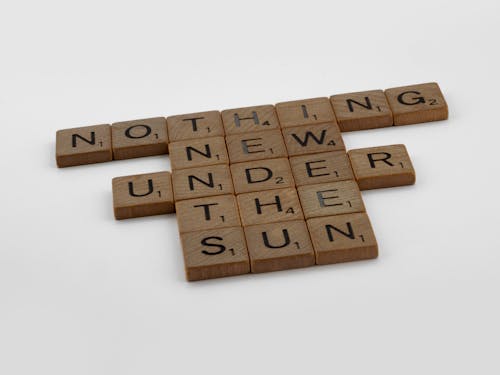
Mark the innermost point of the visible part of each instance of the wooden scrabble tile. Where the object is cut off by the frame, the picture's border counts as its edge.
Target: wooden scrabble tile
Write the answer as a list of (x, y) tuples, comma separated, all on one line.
[(320, 168), (305, 112), (249, 119), (382, 167), (311, 139), (255, 146), (86, 145), (279, 246), (207, 213), (202, 182), (362, 110), (143, 195), (262, 175), (333, 198), (138, 138), (417, 103), (198, 153), (342, 238), (269, 206), (215, 253), (195, 125)]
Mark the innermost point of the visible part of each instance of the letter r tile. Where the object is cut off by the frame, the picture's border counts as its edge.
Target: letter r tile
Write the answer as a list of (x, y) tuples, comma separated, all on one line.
[(382, 167)]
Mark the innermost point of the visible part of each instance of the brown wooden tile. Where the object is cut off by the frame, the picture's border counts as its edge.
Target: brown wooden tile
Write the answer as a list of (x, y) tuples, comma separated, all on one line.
[(138, 138), (143, 195), (279, 246), (320, 168), (195, 126), (215, 253), (382, 167), (362, 110), (312, 139), (269, 206), (198, 153), (262, 175), (249, 119), (202, 182), (417, 103), (342, 238), (334, 198), (305, 112), (255, 146), (207, 213), (86, 145)]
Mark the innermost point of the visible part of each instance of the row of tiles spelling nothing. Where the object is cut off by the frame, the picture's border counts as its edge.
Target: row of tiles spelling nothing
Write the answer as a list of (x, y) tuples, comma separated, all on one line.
[(355, 111), (156, 193)]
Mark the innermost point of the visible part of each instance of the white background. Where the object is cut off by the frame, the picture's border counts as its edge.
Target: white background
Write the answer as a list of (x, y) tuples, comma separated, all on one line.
[(81, 293)]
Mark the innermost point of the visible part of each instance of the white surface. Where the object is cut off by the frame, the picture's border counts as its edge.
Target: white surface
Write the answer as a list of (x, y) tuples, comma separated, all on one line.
[(83, 294)]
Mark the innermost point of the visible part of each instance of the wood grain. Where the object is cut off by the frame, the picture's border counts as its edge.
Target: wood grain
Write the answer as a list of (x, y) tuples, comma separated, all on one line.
[(342, 238), (215, 253), (321, 168), (138, 138), (313, 139), (195, 126), (417, 103), (143, 195), (362, 110), (382, 167), (262, 175), (305, 112), (198, 153), (269, 206), (84, 145), (207, 213), (334, 198), (202, 182), (249, 119), (279, 246), (255, 146)]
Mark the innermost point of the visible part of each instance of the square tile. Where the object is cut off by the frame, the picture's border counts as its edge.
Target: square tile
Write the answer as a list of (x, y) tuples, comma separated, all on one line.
[(138, 138), (320, 168), (85, 145), (269, 206), (207, 213), (279, 246), (417, 103), (202, 182), (262, 175), (334, 198), (362, 110), (195, 126), (342, 238), (250, 119), (143, 195), (198, 153), (313, 139), (305, 112), (215, 253), (255, 146), (382, 167)]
